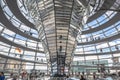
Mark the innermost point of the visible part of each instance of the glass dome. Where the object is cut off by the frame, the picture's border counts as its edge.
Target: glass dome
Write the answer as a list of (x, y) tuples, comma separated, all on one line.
[(88, 37)]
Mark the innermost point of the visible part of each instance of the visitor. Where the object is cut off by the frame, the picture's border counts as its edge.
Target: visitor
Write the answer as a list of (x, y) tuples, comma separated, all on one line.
[(119, 74), (82, 78), (14, 77), (24, 76), (67, 77), (2, 77), (94, 75), (11, 75)]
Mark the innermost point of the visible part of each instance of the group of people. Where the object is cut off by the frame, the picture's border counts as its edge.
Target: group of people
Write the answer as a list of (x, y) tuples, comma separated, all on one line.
[(2, 77), (81, 78)]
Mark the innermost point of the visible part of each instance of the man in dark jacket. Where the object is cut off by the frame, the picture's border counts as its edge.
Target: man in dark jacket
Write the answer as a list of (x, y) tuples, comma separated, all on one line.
[(2, 77)]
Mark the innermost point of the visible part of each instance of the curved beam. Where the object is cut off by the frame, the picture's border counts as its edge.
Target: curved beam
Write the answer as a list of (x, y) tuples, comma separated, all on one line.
[(95, 54), (111, 38), (84, 2), (11, 27), (109, 3), (103, 26), (17, 45), (18, 59), (95, 66), (12, 4)]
